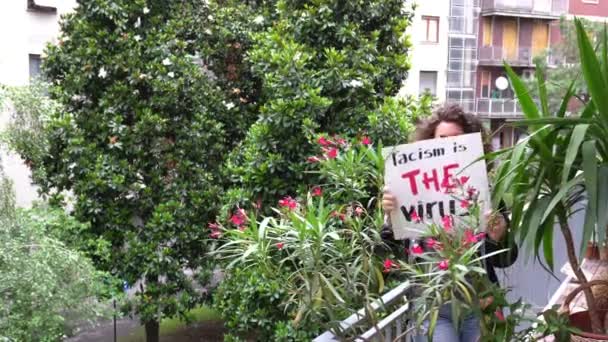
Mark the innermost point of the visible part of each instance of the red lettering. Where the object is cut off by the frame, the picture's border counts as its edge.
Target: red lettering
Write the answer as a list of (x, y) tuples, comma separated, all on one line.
[(447, 176), (412, 178), (427, 180)]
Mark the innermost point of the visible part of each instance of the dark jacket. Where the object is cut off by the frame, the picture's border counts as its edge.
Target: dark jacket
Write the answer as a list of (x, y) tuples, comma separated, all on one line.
[(501, 260)]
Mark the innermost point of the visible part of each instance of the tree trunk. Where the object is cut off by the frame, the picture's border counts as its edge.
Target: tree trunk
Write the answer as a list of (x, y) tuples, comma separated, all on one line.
[(596, 323), (152, 331)]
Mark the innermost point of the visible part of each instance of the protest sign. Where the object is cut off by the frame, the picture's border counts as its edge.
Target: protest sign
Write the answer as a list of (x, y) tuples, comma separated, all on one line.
[(417, 174)]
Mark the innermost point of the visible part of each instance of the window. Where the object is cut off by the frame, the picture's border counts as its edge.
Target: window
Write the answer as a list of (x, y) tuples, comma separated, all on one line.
[(430, 29), (428, 82), (487, 31), (35, 62), (486, 81), (34, 7)]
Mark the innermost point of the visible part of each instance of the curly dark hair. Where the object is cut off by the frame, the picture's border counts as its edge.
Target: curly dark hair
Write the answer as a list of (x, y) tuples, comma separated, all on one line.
[(453, 114)]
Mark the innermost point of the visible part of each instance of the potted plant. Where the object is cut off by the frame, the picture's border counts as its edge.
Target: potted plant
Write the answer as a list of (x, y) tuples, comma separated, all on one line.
[(561, 166)]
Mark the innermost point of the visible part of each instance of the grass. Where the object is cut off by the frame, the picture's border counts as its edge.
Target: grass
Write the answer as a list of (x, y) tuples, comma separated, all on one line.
[(171, 325)]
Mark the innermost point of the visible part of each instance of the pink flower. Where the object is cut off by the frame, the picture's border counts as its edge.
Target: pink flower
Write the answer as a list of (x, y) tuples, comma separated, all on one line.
[(215, 234), (471, 192), (430, 242), (366, 141), (288, 202), (499, 315), (388, 265), (480, 236), (341, 216), (447, 222), (280, 245), (415, 217), (464, 180), (213, 226), (239, 219), (465, 204), (340, 141), (417, 249), (313, 159), (332, 153), (444, 264), (358, 211), (324, 142), (469, 237), (317, 191)]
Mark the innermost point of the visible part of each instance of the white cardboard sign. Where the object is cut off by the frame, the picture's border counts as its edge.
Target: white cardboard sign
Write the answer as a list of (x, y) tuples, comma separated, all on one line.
[(415, 174)]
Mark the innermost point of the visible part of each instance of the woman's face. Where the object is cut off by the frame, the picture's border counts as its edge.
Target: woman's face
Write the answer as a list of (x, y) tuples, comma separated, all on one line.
[(448, 129)]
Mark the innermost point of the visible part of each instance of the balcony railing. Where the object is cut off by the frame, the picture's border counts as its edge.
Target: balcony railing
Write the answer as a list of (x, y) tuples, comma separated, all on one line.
[(393, 327), (522, 56), (499, 108), (529, 8)]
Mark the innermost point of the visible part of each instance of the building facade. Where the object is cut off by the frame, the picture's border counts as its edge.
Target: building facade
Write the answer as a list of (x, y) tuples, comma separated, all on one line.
[(26, 26), (429, 35)]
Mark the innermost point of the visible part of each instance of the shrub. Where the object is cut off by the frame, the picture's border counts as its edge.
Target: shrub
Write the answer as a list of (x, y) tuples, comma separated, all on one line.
[(46, 287), (328, 67), (320, 255)]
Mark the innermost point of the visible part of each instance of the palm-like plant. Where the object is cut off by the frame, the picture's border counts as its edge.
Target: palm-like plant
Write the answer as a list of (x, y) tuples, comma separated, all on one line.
[(562, 167)]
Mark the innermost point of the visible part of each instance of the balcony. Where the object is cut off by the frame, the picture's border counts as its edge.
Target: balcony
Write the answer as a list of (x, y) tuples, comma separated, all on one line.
[(520, 57), (542, 9), (499, 109)]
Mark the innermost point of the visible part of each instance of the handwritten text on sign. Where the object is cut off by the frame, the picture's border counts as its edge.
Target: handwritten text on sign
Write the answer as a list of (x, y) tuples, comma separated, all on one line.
[(417, 174)]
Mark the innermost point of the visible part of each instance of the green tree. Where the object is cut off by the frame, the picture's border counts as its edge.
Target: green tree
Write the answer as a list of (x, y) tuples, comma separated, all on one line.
[(46, 285), (140, 142), (567, 67), (328, 67)]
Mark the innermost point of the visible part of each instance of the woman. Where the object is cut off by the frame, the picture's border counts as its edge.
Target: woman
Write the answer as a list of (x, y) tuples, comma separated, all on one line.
[(451, 121)]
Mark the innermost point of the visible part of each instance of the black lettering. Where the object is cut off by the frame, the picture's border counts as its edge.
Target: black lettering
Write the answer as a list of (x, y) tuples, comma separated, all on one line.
[(455, 146), (441, 210), (411, 156), (408, 213), (403, 159), (429, 209), (462, 148), (438, 152), (394, 159), (453, 207), (428, 153)]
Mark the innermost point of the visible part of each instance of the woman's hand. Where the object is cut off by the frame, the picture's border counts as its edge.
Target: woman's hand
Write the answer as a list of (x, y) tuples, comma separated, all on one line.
[(497, 225), (389, 202)]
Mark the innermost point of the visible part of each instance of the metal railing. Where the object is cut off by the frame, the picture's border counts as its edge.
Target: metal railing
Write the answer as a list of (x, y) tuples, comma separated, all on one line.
[(499, 108), (393, 327), (530, 7), (522, 56)]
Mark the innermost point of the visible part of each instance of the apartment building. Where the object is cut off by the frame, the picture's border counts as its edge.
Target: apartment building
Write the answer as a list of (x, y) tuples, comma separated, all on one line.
[(515, 32), (26, 26), (429, 52)]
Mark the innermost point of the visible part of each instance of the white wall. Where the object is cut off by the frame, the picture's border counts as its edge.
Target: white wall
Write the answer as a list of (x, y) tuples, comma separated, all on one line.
[(428, 56), (23, 33)]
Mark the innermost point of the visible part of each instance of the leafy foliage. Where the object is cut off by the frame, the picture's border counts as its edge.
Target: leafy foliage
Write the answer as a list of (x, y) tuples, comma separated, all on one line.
[(45, 286), (140, 142), (562, 166), (328, 67), (318, 255)]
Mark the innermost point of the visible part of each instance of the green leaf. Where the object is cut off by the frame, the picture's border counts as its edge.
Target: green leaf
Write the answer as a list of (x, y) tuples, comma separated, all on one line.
[(561, 195), (596, 84), (578, 135), (591, 185), (523, 95), (542, 89)]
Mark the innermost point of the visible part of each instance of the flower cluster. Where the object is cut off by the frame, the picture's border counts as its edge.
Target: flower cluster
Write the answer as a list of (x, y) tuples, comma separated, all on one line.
[(331, 147), (215, 230), (288, 202), (239, 219)]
